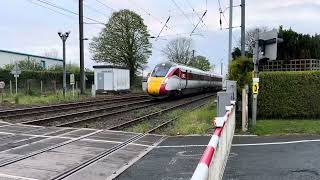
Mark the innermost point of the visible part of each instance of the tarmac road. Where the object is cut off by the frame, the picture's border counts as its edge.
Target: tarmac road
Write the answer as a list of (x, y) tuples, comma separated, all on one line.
[(284, 158)]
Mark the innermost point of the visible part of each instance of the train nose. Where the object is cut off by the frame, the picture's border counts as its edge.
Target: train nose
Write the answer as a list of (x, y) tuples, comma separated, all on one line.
[(156, 86)]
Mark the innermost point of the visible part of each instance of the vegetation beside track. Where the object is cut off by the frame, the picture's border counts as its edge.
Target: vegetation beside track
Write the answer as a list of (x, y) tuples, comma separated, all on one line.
[(287, 127), (23, 99), (198, 121)]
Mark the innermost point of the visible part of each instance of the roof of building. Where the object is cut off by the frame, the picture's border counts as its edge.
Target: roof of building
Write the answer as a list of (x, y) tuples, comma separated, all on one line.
[(108, 66), (31, 55)]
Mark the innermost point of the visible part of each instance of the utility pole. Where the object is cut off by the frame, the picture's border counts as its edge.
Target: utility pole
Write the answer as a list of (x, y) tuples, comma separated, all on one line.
[(230, 31), (255, 75), (193, 54), (64, 37), (221, 67), (243, 28), (81, 39)]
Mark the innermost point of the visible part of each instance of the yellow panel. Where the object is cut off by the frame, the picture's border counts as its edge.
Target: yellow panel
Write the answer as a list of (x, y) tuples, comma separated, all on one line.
[(154, 84)]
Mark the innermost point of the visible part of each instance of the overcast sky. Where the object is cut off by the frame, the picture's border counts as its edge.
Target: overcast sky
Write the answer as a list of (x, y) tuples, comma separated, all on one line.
[(28, 27)]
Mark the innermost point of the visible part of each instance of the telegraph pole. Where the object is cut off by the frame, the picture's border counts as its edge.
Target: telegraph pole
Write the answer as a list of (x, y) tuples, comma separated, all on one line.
[(230, 31), (81, 39), (64, 37), (221, 67), (255, 75), (243, 27)]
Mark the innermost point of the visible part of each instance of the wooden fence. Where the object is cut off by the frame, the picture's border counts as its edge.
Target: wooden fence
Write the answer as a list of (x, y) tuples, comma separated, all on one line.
[(291, 65)]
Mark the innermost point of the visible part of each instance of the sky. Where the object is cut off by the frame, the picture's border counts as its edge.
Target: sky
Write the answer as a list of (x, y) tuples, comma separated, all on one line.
[(31, 26)]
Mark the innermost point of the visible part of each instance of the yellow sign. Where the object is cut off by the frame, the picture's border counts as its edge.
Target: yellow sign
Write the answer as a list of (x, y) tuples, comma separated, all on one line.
[(255, 88)]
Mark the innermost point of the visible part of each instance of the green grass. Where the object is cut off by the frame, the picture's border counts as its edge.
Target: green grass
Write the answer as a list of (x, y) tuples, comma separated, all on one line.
[(42, 99), (198, 121), (287, 127), (140, 128)]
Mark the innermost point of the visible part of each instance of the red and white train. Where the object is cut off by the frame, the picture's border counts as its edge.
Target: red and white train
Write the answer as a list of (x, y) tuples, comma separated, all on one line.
[(171, 79)]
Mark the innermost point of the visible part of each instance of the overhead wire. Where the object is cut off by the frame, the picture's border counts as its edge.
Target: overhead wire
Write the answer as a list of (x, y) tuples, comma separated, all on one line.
[(53, 10), (105, 5), (179, 8), (69, 11)]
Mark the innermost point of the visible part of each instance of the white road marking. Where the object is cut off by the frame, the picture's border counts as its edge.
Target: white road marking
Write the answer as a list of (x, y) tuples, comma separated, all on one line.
[(16, 177), (182, 146), (277, 143)]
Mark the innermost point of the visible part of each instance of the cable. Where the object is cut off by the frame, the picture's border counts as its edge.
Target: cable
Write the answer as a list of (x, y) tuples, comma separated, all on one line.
[(94, 9), (198, 23), (194, 11), (50, 9), (103, 4), (163, 28), (69, 11), (179, 8)]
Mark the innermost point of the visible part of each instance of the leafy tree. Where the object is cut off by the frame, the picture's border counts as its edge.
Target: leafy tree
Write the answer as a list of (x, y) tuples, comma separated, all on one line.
[(200, 62), (124, 41), (250, 39), (179, 50), (297, 45), (26, 65), (236, 53), (73, 68)]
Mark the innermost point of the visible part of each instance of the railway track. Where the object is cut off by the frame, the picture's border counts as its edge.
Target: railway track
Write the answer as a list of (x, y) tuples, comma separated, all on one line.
[(70, 118), (145, 117), (32, 111), (99, 156)]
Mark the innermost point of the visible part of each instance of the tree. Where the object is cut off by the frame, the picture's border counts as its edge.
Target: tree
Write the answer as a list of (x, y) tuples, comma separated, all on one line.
[(297, 45), (124, 41), (236, 53), (200, 62), (250, 38), (179, 50), (72, 68), (26, 65)]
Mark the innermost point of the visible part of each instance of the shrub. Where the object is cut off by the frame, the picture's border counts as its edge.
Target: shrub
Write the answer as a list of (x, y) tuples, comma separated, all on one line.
[(289, 94), (240, 70)]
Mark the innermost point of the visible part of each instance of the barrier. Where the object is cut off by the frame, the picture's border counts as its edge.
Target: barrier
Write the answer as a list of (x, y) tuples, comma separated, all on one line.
[(214, 158)]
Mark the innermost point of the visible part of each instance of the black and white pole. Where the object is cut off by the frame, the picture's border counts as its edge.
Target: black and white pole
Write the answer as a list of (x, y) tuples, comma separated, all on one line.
[(64, 37)]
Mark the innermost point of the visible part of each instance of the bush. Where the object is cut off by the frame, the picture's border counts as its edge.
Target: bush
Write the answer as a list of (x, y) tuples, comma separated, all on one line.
[(46, 76), (289, 94), (240, 70)]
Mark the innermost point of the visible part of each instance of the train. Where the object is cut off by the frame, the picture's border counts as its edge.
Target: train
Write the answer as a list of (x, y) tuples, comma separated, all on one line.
[(170, 79)]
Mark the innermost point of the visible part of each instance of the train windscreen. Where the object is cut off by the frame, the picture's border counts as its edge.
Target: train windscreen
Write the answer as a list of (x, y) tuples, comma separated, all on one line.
[(161, 70)]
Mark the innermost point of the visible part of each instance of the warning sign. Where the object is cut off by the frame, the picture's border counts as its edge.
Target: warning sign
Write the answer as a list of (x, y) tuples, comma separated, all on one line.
[(255, 88), (255, 85)]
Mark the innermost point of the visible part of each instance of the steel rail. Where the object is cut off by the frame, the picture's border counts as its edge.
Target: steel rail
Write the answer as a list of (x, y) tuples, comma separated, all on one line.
[(36, 121), (136, 120), (24, 111)]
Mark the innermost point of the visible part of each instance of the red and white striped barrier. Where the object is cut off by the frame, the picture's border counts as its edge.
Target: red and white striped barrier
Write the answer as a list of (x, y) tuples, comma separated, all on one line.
[(214, 158)]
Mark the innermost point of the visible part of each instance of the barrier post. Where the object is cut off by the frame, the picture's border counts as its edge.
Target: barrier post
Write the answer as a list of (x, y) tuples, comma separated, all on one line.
[(214, 158)]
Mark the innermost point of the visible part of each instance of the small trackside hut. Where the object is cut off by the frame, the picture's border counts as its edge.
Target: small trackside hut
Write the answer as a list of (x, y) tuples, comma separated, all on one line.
[(109, 78)]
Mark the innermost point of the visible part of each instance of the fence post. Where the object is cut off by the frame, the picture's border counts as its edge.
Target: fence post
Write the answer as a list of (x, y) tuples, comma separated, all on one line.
[(10, 87), (41, 87), (245, 109)]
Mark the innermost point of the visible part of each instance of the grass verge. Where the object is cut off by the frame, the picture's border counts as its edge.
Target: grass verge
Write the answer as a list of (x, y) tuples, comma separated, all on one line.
[(140, 128), (198, 121), (287, 127), (23, 99)]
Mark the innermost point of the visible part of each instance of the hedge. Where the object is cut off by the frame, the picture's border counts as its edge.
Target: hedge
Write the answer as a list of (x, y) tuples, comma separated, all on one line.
[(45, 76), (289, 94)]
